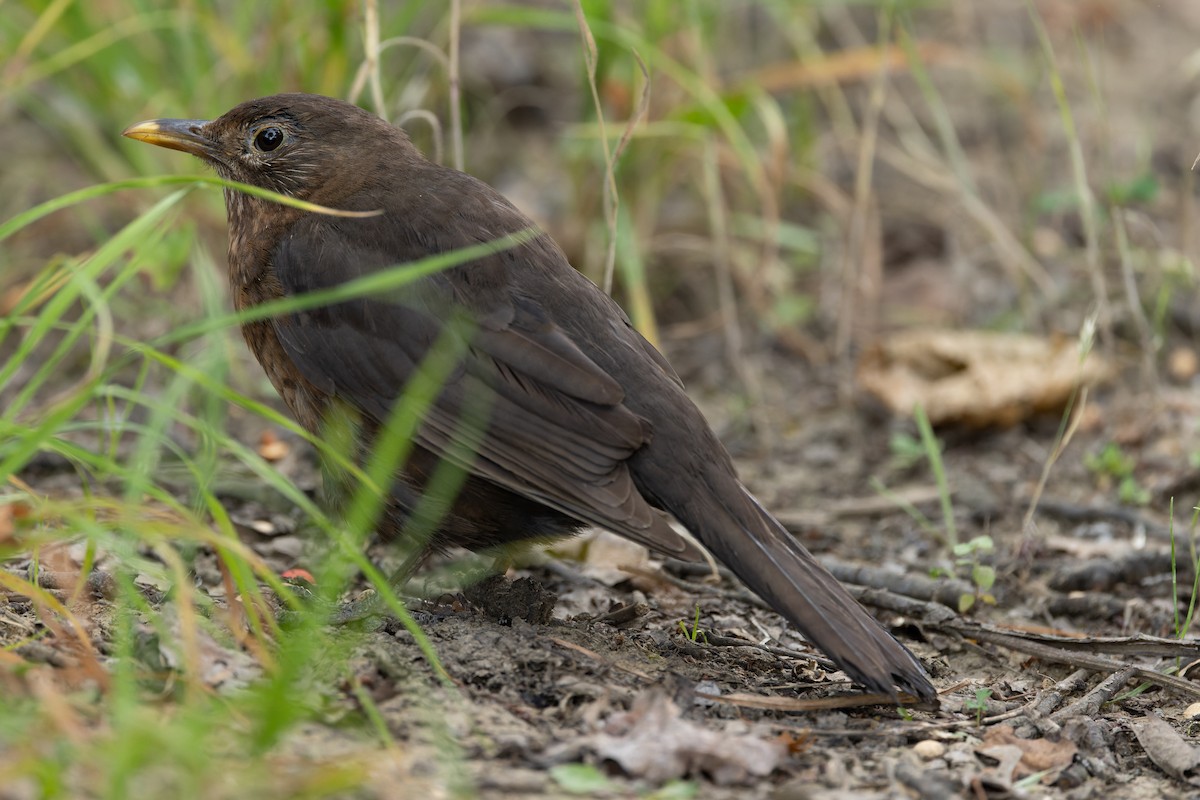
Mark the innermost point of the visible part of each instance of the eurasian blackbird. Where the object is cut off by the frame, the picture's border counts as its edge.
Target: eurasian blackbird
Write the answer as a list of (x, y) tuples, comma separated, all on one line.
[(583, 421)]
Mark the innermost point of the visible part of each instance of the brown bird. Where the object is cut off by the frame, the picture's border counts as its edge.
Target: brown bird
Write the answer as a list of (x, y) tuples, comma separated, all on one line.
[(561, 413)]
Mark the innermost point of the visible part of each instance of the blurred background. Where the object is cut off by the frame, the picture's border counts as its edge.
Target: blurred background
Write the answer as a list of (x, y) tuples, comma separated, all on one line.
[(802, 176)]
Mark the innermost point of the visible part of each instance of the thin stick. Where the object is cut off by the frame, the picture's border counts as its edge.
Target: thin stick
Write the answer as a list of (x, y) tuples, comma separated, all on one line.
[(855, 250), (611, 199), (456, 132), (371, 48), (1087, 199)]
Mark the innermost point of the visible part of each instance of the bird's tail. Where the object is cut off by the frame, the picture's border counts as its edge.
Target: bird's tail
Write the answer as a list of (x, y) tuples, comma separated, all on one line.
[(769, 560)]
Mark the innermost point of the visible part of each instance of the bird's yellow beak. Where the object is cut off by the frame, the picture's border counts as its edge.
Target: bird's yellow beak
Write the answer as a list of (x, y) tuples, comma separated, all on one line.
[(177, 134)]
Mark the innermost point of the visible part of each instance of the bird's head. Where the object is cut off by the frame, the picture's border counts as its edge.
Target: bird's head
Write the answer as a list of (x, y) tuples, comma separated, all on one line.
[(307, 146)]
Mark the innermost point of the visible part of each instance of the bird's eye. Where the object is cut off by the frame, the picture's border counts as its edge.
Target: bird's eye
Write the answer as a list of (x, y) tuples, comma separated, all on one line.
[(268, 139)]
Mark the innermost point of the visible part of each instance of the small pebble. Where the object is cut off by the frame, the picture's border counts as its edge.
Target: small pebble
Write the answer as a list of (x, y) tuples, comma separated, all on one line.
[(1182, 364), (1046, 242), (709, 688), (929, 749), (1192, 711)]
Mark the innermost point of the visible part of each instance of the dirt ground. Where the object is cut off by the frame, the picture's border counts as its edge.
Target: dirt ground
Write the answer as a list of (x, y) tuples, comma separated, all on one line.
[(673, 684), (742, 710), (579, 688)]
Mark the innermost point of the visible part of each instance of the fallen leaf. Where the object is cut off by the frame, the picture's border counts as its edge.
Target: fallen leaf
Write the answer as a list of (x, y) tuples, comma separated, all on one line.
[(651, 741), (1169, 751), (1033, 755), (977, 378), (7, 526)]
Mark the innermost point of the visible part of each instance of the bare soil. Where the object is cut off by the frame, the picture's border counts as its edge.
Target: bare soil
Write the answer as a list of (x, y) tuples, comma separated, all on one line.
[(635, 694)]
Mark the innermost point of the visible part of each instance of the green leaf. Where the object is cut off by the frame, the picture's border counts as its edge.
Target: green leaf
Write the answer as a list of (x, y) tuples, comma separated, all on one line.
[(790, 310), (983, 576), (983, 544), (906, 449), (675, 790), (1131, 493), (580, 778), (1142, 189), (735, 103)]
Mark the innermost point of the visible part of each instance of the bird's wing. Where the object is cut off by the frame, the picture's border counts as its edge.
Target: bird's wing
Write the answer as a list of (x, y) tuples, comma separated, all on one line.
[(523, 406)]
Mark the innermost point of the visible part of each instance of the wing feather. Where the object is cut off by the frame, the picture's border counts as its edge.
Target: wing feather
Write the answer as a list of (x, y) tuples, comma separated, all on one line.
[(556, 428)]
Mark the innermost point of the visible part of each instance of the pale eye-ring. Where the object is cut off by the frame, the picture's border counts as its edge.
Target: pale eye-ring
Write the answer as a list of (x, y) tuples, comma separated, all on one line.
[(269, 138)]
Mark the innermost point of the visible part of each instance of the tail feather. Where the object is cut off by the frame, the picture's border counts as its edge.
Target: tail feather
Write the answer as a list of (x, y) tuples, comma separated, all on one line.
[(781, 571)]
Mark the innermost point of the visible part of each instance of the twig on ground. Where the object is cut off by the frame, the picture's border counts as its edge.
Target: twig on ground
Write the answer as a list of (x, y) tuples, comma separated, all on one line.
[(1073, 512), (1027, 644), (594, 656), (1089, 605), (717, 640), (1099, 574), (945, 591), (1051, 699), (1089, 705), (624, 615)]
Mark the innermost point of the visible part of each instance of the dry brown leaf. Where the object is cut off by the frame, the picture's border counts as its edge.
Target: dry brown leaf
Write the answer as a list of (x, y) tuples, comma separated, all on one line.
[(7, 521), (1035, 755), (651, 741), (851, 65), (11, 297), (976, 378), (1168, 750)]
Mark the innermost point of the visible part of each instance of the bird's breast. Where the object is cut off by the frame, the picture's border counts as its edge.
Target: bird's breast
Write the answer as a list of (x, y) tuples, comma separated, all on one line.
[(304, 400), (252, 283)]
